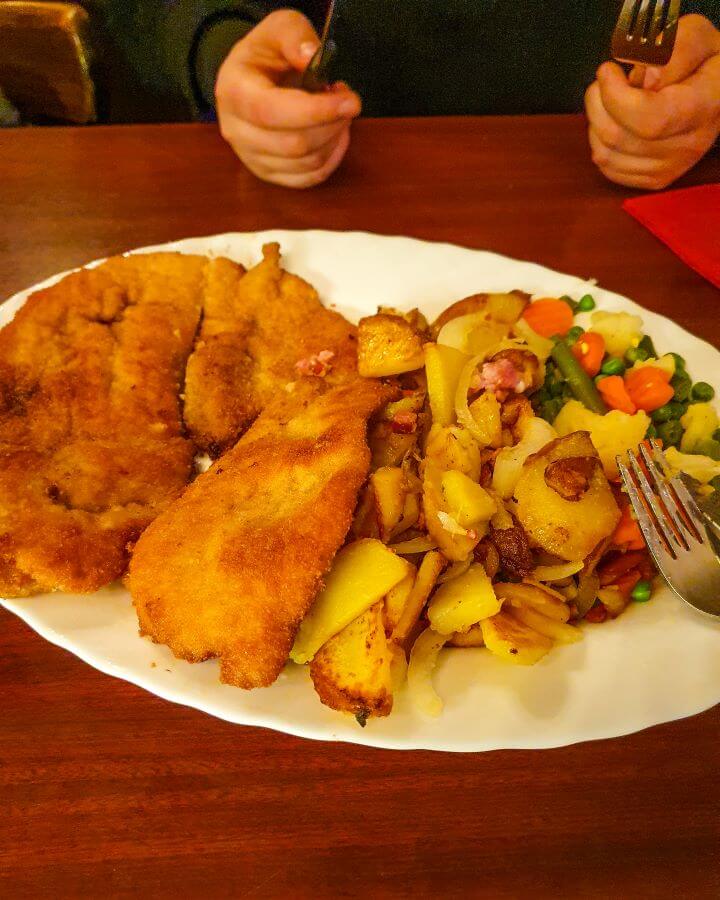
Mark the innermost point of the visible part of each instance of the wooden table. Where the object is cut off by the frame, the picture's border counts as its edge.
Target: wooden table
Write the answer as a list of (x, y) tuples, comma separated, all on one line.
[(106, 790)]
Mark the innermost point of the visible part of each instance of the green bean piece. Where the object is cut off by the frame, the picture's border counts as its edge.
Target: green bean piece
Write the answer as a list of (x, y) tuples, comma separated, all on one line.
[(670, 433), (710, 448), (679, 361), (636, 354), (647, 344), (586, 303), (574, 335), (556, 388), (651, 432), (573, 304), (613, 366), (681, 384), (579, 381), (641, 592), (702, 392), (551, 409)]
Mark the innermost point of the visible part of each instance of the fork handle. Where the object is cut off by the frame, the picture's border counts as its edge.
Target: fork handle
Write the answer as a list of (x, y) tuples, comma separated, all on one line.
[(636, 78)]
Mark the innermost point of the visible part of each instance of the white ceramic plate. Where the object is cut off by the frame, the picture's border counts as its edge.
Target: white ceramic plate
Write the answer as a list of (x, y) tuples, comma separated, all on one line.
[(660, 661)]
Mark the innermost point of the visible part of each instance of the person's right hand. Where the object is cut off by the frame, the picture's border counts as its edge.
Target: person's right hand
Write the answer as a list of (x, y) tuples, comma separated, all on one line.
[(281, 133)]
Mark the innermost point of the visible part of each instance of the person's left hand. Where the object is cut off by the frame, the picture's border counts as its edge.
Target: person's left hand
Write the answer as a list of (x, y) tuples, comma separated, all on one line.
[(648, 137)]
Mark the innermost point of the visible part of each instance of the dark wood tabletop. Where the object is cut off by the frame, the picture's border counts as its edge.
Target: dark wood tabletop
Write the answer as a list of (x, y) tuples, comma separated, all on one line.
[(106, 790)]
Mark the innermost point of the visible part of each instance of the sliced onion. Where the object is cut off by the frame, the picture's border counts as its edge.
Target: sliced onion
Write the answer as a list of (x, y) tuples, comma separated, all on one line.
[(423, 659), (455, 570), (588, 587), (537, 344), (510, 461), (456, 332), (557, 573), (416, 545), (545, 588), (462, 408)]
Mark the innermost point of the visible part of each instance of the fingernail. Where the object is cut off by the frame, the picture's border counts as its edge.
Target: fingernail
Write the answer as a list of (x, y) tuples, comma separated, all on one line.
[(308, 49), (652, 78)]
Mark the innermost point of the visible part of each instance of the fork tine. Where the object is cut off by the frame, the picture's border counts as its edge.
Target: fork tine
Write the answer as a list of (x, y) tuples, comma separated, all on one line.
[(628, 16), (659, 478), (683, 500), (647, 525), (642, 23), (657, 22), (669, 533)]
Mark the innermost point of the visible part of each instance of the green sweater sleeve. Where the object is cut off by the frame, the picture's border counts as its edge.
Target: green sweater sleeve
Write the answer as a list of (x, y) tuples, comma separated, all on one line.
[(214, 39)]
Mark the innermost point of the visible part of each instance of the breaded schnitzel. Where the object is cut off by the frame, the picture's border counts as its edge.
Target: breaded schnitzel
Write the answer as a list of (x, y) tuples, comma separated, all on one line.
[(232, 567), (91, 435), (256, 328)]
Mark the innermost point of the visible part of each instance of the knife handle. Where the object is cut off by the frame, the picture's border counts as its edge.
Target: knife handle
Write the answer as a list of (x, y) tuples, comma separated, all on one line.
[(316, 77)]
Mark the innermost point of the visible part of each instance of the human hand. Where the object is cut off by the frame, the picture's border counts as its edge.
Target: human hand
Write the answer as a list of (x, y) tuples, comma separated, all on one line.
[(648, 137), (283, 134)]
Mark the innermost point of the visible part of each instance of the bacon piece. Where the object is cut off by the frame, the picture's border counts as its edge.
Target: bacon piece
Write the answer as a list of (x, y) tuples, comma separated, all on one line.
[(319, 364)]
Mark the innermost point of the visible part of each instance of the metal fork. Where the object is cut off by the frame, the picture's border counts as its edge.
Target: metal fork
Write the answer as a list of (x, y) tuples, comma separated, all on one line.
[(674, 529), (645, 35)]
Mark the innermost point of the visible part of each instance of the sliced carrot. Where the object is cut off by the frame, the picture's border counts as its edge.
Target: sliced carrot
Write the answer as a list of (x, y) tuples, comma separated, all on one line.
[(649, 387), (628, 534), (589, 350), (627, 582), (620, 565), (614, 393), (548, 317)]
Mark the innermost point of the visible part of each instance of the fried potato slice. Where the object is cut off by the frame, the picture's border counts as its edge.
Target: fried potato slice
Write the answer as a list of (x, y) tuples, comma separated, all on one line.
[(353, 671), (232, 568), (514, 641), (388, 345)]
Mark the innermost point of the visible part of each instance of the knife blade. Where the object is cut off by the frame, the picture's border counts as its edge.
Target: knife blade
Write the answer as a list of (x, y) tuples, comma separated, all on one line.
[(316, 77)]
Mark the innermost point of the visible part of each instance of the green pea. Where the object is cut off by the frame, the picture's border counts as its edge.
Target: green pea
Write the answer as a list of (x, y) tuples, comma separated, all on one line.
[(679, 361), (702, 392), (574, 334), (672, 410), (709, 448), (636, 354), (670, 433), (641, 592), (586, 303), (681, 384), (651, 432), (613, 366), (647, 344), (570, 302), (715, 483)]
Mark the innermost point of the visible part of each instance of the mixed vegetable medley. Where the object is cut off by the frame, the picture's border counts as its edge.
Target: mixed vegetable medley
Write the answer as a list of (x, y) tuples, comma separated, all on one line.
[(494, 515)]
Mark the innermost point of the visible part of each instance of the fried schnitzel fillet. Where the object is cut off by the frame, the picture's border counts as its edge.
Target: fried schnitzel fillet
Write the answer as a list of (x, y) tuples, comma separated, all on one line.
[(91, 436), (256, 328), (233, 566)]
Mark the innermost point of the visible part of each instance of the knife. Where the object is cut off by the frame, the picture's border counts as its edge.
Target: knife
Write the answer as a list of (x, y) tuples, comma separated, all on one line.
[(316, 77)]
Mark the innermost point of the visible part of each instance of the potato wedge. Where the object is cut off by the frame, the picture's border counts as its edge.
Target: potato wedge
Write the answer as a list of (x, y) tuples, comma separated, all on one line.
[(471, 638), (464, 499), (567, 528), (397, 597), (463, 602), (389, 491), (487, 415), (534, 597), (410, 515), (388, 345), (430, 568), (388, 447), (513, 641), (551, 628), (443, 367), (353, 672), (453, 448), (362, 574), (507, 307)]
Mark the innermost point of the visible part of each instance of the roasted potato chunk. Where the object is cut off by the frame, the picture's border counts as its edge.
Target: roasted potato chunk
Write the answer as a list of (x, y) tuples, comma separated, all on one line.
[(353, 671), (568, 528), (443, 368), (389, 490), (463, 602), (514, 641), (388, 345)]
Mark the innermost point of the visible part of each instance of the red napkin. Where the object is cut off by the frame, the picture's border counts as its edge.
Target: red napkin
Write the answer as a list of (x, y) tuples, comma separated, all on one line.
[(688, 221)]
